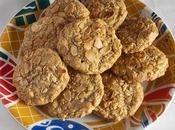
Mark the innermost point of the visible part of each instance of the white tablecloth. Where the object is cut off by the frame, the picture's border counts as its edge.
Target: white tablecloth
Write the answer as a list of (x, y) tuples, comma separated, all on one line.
[(164, 8)]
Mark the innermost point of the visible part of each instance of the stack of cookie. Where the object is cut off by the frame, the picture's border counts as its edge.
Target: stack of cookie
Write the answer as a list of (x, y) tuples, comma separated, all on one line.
[(67, 55)]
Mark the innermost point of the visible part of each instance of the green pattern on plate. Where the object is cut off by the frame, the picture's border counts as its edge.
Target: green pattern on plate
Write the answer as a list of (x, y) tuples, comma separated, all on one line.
[(28, 14)]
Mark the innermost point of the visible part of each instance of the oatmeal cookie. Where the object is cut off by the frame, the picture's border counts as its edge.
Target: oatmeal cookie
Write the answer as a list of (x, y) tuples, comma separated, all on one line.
[(137, 33), (40, 77), (81, 96), (120, 100), (42, 33), (70, 10), (113, 12), (89, 46), (142, 66)]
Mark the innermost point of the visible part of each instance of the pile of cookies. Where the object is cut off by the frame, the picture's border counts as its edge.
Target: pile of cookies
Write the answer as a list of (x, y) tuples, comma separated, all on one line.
[(84, 57)]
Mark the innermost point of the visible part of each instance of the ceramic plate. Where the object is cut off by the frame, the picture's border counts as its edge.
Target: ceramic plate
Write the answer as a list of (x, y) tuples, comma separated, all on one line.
[(158, 93)]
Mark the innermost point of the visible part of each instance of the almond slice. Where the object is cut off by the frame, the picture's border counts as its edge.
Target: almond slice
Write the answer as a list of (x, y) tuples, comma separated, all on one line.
[(98, 43)]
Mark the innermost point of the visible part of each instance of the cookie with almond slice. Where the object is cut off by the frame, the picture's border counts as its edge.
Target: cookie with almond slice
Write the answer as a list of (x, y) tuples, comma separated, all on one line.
[(81, 96), (113, 12), (121, 98), (147, 65), (40, 77), (137, 33), (89, 46)]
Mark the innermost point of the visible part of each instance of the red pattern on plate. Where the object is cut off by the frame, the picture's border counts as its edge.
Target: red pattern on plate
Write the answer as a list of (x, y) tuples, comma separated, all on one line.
[(7, 90)]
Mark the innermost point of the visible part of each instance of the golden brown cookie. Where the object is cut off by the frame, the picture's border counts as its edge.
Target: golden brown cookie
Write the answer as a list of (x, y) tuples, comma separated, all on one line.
[(142, 66), (89, 46), (42, 33), (70, 10), (40, 77), (137, 33), (120, 100), (113, 12), (81, 96)]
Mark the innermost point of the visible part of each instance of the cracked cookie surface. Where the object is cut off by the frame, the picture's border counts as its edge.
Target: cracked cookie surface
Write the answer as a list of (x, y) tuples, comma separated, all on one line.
[(113, 12), (40, 77), (120, 100), (89, 46), (142, 66), (42, 34), (81, 96), (137, 33), (70, 10)]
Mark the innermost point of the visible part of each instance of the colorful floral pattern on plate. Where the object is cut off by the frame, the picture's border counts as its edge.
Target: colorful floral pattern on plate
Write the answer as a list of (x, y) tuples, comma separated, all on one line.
[(158, 93)]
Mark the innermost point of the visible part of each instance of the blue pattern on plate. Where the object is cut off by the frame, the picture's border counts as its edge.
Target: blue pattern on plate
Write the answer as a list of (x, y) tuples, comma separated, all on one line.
[(56, 124), (162, 27)]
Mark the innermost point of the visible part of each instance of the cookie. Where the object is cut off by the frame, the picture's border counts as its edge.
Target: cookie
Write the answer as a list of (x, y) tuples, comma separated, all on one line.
[(120, 100), (113, 12), (81, 96), (142, 66), (40, 77), (137, 33), (42, 33), (89, 46), (70, 10)]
